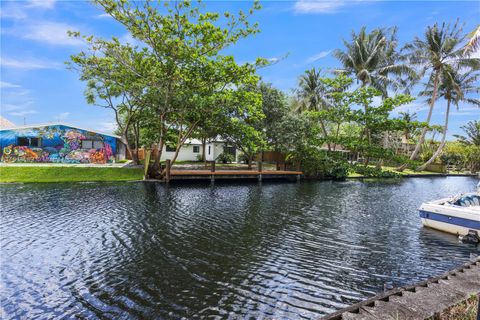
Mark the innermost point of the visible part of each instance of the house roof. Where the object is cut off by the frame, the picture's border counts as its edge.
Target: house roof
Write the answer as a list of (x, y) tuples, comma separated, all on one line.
[(57, 124), (4, 123)]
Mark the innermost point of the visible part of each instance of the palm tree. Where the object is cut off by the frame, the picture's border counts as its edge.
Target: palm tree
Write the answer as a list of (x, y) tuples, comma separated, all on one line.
[(455, 87), (313, 95), (472, 131), (474, 42), (408, 118), (373, 60), (437, 51)]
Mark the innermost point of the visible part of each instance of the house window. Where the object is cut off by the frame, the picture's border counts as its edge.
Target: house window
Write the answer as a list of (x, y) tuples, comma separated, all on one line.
[(209, 149), (170, 149), (87, 144), (97, 144), (28, 142), (196, 149), (92, 144)]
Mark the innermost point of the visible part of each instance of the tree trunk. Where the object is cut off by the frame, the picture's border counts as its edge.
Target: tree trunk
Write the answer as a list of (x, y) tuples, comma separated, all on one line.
[(429, 116), (250, 160), (324, 129), (204, 145), (442, 142), (137, 142), (129, 150)]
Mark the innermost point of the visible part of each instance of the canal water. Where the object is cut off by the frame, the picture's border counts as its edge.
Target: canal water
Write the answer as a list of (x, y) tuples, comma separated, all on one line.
[(271, 250)]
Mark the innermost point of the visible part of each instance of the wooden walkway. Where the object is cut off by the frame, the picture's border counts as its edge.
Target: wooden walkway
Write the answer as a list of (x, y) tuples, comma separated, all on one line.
[(233, 174), (419, 301)]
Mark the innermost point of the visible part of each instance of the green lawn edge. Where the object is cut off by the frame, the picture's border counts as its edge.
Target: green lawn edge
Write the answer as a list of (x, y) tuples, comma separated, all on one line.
[(68, 174)]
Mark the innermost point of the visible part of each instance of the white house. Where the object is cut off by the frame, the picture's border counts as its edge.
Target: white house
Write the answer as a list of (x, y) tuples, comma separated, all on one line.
[(192, 151)]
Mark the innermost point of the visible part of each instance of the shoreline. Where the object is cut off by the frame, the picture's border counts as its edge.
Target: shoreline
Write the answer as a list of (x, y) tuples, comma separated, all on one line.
[(413, 301), (84, 174)]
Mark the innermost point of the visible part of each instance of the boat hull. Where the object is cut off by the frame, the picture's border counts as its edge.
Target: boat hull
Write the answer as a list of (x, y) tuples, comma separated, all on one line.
[(452, 219)]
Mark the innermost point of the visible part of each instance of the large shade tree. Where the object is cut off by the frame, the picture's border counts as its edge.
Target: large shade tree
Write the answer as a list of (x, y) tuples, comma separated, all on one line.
[(186, 77)]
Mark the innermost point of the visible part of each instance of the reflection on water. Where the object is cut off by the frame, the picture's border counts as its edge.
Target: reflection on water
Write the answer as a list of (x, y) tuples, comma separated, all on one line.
[(293, 250)]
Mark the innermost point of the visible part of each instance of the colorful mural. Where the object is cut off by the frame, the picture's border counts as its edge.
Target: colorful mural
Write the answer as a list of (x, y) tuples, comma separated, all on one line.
[(56, 143)]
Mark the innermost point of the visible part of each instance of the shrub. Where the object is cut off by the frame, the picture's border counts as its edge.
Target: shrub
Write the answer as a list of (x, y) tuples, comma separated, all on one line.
[(243, 158), (372, 172), (319, 164), (225, 158)]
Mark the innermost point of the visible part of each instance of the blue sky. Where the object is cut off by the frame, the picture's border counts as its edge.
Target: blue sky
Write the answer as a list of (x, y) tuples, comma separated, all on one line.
[(37, 88)]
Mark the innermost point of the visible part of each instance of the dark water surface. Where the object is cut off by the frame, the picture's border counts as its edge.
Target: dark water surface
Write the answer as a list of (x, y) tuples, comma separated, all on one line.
[(277, 250)]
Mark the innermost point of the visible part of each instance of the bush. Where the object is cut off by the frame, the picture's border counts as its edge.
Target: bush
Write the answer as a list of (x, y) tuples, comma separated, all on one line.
[(372, 172), (243, 158), (319, 164), (225, 158)]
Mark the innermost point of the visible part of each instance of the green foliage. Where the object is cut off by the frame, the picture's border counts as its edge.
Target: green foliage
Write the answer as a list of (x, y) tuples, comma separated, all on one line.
[(321, 164), (472, 133), (373, 172), (225, 158), (177, 77), (243, 158), (472, 158)]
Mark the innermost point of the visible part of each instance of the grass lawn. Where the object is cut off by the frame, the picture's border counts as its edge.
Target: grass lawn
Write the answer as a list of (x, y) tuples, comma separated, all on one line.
[(404, 173), (68, 174)]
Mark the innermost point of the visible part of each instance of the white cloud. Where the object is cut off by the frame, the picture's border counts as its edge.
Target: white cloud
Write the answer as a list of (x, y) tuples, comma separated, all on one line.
[(28, 64), (54, 33), (103, 16), (18, 10), (4, 84), (106, 126), (411, 107), (62, 116), (22, 113), (16, 101), (319, 6), (45, 4), (318, 56)]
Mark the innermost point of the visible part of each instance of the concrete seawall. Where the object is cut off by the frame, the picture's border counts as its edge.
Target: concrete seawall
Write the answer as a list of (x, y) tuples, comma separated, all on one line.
[(420, 300)]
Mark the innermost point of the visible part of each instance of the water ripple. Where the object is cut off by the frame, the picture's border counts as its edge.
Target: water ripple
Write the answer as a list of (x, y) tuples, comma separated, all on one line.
[(137, 251)]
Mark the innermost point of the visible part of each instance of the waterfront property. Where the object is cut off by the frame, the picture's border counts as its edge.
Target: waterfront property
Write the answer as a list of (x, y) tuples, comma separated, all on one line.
[(192, 150), (59, 143)]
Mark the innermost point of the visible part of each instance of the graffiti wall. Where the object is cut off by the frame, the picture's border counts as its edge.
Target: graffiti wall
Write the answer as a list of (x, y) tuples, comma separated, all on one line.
[(56, 143)]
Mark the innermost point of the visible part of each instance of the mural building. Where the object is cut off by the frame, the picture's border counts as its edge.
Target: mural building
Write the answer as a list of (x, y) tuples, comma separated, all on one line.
[(58, 144)]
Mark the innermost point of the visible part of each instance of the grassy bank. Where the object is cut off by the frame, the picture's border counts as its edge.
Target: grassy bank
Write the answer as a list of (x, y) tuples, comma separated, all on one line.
[(68, 174), (406, 172)]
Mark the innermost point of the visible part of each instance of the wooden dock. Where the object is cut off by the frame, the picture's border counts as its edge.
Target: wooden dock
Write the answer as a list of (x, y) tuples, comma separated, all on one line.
[(233, 174)]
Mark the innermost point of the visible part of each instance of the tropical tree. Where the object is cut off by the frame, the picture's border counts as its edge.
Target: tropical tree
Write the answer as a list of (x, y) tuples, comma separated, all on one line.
[(185, 75), (438, 50), (474, 42), (372, 59), (312, 95), (472, 133), (408, 118), (456, 86)]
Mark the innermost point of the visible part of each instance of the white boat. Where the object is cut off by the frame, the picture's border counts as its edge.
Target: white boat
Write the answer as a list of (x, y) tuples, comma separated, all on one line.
[(458, 215)]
